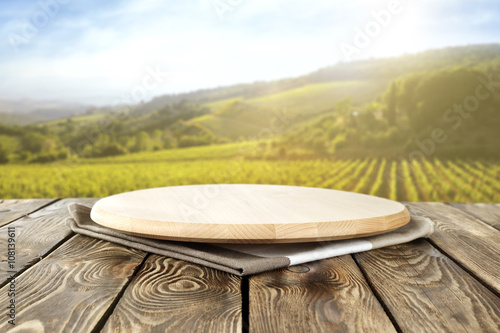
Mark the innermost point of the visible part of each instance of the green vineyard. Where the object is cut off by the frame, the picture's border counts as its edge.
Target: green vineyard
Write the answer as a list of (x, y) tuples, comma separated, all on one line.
[(427, 180)]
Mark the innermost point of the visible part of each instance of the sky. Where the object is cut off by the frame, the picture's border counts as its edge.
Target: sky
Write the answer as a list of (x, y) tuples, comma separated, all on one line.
[(95, 52)]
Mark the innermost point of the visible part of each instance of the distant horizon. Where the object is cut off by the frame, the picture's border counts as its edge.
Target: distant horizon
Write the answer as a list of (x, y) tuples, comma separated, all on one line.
[(76, 103), (93, 52)]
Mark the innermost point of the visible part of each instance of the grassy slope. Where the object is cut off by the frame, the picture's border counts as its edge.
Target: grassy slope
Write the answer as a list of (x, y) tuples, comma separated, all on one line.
[(229, 150), (228, 127), (214, 106), (315, 98), (249, 117)]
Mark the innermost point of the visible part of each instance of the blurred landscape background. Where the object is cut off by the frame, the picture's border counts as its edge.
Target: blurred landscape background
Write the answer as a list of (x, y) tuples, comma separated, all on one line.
[(420, 126)]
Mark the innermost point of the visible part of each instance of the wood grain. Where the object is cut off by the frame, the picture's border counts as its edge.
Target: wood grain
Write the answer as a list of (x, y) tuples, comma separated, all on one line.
[(243, 213), (71, 289), (427, 292), (488, 213), (323, 296), (469, 241), (37, 234), (171, 295), (16, 208)]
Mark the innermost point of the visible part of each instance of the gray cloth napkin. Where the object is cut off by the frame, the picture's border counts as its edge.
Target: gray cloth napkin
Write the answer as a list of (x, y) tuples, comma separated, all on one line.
[(245, 259)]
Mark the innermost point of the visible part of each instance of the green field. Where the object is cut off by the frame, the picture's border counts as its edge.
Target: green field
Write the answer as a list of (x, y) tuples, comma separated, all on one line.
[(318, 97), (238, 117), (429, 180), (214, 106)]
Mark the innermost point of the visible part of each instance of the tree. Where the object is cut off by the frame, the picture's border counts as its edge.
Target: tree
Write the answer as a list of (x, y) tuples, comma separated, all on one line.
[(439, 91), (143, 141), (344, 107), (157, 139), (169, 140), (32, 142), (3, 155), (391, 104), (113, 149)]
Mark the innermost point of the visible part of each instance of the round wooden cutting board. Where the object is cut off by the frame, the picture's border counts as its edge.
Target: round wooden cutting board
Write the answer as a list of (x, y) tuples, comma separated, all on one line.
[(241, 213)]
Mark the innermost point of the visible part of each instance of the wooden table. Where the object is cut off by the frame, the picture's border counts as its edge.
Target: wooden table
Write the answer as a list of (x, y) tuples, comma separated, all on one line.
[(71, 283)]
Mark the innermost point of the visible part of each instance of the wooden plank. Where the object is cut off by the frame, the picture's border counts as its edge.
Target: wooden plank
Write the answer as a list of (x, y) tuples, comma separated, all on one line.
[(488, 213), (427, 292), (36, 234), (170, 295), (71, 289), (14, 209), (466, 239), (329, 295)]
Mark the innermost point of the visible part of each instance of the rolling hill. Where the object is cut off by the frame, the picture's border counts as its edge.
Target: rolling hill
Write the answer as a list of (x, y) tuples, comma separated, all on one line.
[(377, 106), (29, 111)]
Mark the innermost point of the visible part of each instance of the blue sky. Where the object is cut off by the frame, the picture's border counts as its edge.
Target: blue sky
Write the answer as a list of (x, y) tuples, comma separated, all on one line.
[(95, 51)]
